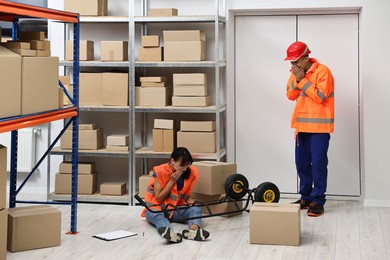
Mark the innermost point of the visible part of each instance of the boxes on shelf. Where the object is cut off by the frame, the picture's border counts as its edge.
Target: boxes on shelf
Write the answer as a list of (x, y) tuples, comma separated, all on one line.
[(150, 41), (197, 126), (212, 176), (88, 139), (3, 176), (151, 96), (33, 227), (150, 54), (179, 101), (185, 45), (190, 91), (162, 12), (197, 142), (10, 83), (91, 89), (114, 50), (153, 81), (40, 45), (86, 51), (3, 233), (82, 167), (87, 7), (115, 89), (118, 140), (113, 188), (275, 224), (164, 140), (143, 183), (190, 79), (16, 45), (218, 208), (25, 53), (86, 183)]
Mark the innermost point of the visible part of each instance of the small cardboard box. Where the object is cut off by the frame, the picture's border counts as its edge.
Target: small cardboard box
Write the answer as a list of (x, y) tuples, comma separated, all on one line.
[(150, 41), (16, 45), (164, 123), (113, 188), (43, 53), (31, 36), (3, 176), (190, 79), (153, 79), (33, 227), (82, 168), (190, 90), (212, 176), (197, 142), (150, 54), (162, 12), (115, 89), (197, 126), (3, 233), (86, 183), (191, 101), (88, 139), (184, 45), (163, 140), (91, 89), (227, 206), (92, 126), (275, 224), (118, 140), (87, 7), (151, 96), (143, 183), (39, 45), (25, 53), (114, 50), (86, 50)]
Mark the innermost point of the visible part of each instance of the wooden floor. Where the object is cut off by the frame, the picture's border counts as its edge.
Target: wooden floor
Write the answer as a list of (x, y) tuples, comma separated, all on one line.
[(346, 231)]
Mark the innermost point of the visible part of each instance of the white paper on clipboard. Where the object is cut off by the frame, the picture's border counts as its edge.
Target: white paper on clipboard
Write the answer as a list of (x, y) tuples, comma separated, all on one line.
[(115, 235)]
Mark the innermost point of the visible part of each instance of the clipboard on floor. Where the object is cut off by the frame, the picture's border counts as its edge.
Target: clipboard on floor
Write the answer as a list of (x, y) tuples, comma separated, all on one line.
[(110, 236)]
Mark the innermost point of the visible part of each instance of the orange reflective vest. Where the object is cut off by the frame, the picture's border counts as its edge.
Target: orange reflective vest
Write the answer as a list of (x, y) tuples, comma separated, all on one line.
[(314, 109), (175, 197)]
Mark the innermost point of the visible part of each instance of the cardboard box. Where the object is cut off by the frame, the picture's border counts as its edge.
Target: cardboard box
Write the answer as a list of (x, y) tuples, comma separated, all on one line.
[(150, 41), (31, 36), (114, 50), (197, 126), (197, 142), (39, 45), (117, 148), (150, 54), (163, 140), (86, 183), (33, 227), (143, 183), (190, 79), (153, 79), (191, 101), (91, 89), (121, 140), (88, 139), (3, 233), (115, 89), (10, 83), (212, 176), (164, 123), (3, 176), (86, 51), (227, 206), (190, 90), (153, 84), (65, 80), (275, 224), (162, 12), (16, 45), (92, 126), (25, 53), (185, 45), (43, 53), (39, 84), (82, 168), (113, 188), (87, 7), (151, 96)]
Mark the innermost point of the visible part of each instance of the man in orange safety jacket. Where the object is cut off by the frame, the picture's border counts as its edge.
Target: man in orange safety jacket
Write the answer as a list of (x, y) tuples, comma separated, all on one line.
[(311, 85)]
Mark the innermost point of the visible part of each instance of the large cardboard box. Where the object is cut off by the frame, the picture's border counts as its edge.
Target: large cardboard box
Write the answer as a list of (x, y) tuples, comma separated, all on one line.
[(150, 54), (88, 139), (212, 176), (86, 183), (191, 101), (190, 90), (275, 224), (164, 123), (10, 83), (190, 79), (86, 51), (3, 176), (113, 188), (114, 50), (226, 206), (162, 12), (184, 45), (197, 126), (151, 96), (87, 7), (33, 227), (115, 89), (143, 183), (150, 41), (91, 89), (39, 84), (197, 142), (121, 140), (82, 167), (163, 140), (3, 233)]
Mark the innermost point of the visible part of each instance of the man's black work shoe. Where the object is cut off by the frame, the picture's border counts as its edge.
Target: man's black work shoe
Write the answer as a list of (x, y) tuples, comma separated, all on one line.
[(304, 204), (315, 210), (170, 235)]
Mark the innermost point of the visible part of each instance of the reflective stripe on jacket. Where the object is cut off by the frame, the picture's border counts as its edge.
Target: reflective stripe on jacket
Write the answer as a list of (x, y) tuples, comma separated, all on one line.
[(175, 197), (314, 109)]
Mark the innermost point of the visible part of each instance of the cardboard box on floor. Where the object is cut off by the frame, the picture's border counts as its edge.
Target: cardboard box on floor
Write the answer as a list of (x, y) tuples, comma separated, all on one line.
[(197, 126), (186, 45), (86, 183), (82, 168), (3, 176), (88, 139), (33, 227), (91, 89), (197, 142), (151, 96), (164, 140), (275, 224), (87, 7), (113, 188), (86, 51), (212, 176), (3, 233), (10, 83), (115, 89), (143, 183), (114, 51), (232, 205)]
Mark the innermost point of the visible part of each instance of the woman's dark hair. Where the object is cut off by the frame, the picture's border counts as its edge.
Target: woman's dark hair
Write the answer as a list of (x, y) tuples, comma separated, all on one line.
[(184, 156)]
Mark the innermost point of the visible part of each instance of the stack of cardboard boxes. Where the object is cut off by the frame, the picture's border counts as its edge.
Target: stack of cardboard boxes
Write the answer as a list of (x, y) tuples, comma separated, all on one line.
[(150, 50), (197, 136), (90, 138), (3, 210), (117, 142), (190, 89), (153, 92), (164, 135), (87, 7), (185, 45), (30, 44)]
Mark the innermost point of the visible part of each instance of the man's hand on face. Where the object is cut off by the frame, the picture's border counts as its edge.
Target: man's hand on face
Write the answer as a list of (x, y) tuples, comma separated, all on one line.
[(298, 72)]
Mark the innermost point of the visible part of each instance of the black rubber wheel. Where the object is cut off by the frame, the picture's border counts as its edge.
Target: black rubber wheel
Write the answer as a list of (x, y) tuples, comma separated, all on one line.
[(236, 186), (267, 192)]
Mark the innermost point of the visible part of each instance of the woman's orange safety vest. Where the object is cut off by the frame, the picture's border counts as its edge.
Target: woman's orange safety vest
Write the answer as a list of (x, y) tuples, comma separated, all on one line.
[(314, 110), (175, 197)]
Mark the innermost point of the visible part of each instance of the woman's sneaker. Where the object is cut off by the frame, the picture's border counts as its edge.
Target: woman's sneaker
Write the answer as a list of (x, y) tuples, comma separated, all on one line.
[(198, 235), (170, 235), (315, 210)]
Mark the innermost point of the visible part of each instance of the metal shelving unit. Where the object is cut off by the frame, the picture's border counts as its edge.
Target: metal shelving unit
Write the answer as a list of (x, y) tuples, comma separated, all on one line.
[(11, 12)]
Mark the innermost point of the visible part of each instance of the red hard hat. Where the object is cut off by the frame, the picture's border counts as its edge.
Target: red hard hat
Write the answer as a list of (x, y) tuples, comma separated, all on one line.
[(297, 50)]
